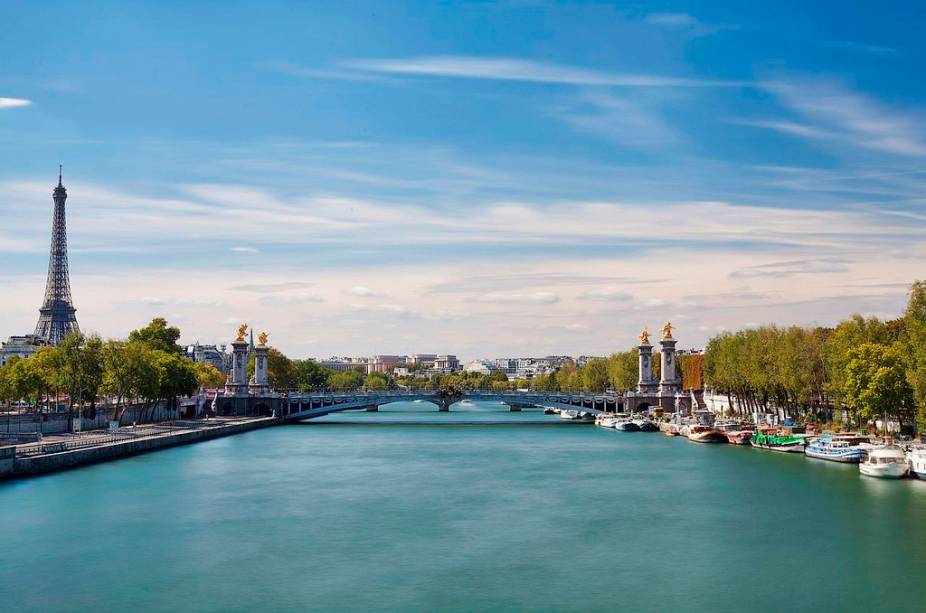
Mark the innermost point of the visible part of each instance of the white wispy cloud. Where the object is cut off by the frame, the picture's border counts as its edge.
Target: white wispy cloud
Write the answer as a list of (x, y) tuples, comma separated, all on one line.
[(362, 291), (635, 123), (321, 73), (835, 114), (606, 294), (518, 298), (243, 249), (10, 103), (863, 48), (790, 269), (684, 22), (513, 69), (298, 298)]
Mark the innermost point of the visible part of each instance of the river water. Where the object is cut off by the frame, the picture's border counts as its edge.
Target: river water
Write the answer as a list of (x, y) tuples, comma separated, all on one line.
[(409, 509)]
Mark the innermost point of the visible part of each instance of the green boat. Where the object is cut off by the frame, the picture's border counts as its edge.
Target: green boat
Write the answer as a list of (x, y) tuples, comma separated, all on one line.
[(778, 441)]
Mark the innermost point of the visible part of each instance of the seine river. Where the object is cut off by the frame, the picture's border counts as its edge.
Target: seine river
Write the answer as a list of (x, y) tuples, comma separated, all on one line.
[(409, 509)]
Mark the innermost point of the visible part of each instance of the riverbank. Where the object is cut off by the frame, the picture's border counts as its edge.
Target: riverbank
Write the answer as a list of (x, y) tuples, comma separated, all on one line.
[(63, 453)]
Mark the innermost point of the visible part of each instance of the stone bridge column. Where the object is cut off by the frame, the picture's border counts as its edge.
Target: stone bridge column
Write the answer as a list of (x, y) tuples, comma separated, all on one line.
[(646, 383), (238, 382)]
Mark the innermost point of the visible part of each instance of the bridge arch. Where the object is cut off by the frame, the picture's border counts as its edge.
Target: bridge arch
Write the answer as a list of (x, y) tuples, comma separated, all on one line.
[(307, 406)]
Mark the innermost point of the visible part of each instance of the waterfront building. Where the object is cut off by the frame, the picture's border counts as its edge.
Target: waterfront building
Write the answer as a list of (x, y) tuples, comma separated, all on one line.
[(20, 347), (57, 316)]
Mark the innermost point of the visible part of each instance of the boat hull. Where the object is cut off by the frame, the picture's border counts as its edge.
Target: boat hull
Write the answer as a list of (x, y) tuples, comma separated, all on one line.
[(739, 438), (893, 470), (714, 436), (627, 426), (789, 448), (649, 426), (845, 456)]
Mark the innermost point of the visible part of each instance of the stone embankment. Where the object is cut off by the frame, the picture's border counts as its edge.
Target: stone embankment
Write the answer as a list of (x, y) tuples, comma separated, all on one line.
[(24, 460)]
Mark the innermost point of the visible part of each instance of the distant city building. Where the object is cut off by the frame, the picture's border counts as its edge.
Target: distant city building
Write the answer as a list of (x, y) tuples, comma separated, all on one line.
[(447, 362), (385, 363), (57, 316), (423, 359), (483, 367), (582, 360), (344, 364), (210, 354), (20, 347)]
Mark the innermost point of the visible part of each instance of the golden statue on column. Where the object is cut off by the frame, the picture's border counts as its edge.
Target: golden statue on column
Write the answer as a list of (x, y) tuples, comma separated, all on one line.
[(667, 331)]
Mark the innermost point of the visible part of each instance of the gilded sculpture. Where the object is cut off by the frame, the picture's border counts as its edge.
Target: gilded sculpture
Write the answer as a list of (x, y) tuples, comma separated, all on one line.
[(667, 330), (242, 330), (262, 339), (644, 337)]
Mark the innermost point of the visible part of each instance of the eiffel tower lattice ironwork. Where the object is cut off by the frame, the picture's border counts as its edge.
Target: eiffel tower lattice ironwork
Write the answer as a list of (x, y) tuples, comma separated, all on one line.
[(57, 315)]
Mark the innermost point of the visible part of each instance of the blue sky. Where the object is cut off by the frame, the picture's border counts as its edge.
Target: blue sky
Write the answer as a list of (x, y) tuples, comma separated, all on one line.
[(485, 178)]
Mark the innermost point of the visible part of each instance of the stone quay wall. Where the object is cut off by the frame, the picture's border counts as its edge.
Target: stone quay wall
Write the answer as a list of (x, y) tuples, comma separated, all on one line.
[(12, 466)]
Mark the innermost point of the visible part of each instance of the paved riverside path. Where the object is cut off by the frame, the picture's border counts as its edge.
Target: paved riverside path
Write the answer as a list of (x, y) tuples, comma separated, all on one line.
[(63, 452)]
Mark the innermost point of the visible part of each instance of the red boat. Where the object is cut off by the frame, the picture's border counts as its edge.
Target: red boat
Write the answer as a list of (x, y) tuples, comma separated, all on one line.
[(737, 434), (739, 437)]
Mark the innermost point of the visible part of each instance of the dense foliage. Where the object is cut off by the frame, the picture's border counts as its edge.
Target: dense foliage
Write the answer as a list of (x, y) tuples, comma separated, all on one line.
[(862, 369), (148, 366)]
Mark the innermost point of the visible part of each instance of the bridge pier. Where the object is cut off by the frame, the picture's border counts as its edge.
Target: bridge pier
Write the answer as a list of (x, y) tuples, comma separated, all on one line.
[(373, 408)]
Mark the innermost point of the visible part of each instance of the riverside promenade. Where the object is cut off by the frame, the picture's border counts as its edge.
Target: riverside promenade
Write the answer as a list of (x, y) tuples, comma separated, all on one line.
[(64, 451)]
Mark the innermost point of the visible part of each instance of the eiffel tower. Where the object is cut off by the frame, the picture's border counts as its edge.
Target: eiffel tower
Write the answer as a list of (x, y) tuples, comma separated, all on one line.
[(57, 315)]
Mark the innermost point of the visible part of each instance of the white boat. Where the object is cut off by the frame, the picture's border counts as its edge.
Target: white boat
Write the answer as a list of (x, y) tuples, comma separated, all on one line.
[(569, 414), (605, 421), (885, 462), (916, 460), (837, 448)]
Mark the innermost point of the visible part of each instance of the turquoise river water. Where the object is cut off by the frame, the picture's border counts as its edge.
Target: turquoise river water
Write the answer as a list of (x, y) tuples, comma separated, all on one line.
[(409, 509)]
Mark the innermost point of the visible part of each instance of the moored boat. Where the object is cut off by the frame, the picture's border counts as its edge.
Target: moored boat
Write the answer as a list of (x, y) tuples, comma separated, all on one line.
[(626, 425), (648, 426), (837, 448), (569, 414), (671, 430), (773, 440), (737, 434), (705, 434), (606, 421), (916, 459), (885, 462)]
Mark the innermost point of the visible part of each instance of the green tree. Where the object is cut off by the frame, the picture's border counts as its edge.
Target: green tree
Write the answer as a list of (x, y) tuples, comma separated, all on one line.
[(309, 375), (129, 371), (377, 382), (623, 370), (876, 382), (158, 335), (81, 367), (208, 376), (915, 348), (346, 381), (24, 380), (279, 370), (176, 377), (594, 375)]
